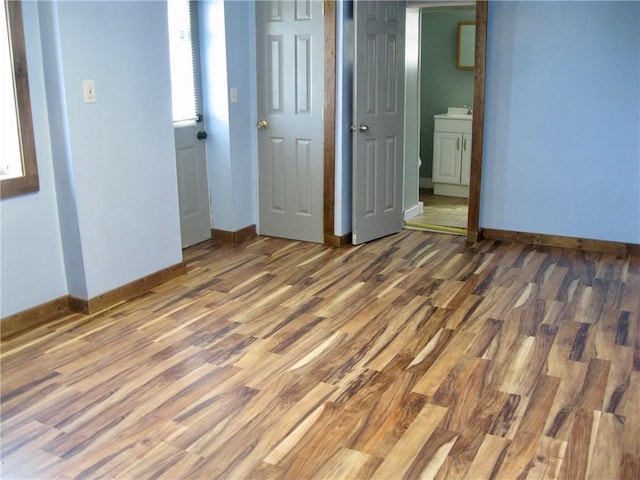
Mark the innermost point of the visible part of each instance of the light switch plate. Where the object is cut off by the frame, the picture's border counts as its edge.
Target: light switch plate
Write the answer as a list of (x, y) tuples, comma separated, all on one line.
[(89, 89)]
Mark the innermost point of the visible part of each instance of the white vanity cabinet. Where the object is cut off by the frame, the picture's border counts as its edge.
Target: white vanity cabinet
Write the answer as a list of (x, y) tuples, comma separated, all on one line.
[(452, 155)]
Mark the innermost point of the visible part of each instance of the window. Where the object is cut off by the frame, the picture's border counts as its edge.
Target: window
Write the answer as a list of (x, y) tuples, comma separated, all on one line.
[(18, 167), (185, 63)]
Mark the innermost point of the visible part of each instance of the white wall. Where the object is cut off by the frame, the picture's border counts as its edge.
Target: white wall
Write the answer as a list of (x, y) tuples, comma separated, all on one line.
[(562, 121), (31, 259)]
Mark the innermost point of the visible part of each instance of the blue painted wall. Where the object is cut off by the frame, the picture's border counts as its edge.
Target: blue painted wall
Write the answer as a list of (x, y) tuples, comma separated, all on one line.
[(122, 147), (31, 259), (562, 146), (562, 124), (122, 152), (107, 212), (227, 40)]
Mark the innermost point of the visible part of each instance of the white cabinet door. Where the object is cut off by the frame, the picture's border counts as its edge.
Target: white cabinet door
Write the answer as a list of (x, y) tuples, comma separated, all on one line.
[(465, 168), (446, 157)]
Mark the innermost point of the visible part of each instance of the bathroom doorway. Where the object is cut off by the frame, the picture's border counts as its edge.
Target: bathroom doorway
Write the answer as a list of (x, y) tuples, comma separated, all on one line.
[(442, 85), (442, 213)]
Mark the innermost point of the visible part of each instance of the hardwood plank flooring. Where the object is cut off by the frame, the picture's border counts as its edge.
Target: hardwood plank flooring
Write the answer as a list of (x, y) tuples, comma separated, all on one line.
[(414, 356)]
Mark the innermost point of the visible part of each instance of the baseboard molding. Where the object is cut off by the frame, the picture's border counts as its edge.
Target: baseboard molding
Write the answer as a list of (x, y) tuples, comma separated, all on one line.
[(34, 317), (414, 211), (238, 236), (127, 291), (337, 241), (474, 236), (425, 182), (560, 241), (53, 310)]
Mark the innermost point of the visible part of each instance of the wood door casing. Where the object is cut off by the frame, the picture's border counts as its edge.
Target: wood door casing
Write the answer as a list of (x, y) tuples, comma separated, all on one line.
[(474, 233), (329, 169)]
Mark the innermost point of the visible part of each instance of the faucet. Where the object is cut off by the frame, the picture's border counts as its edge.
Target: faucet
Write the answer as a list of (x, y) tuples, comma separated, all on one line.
[(469, 109)]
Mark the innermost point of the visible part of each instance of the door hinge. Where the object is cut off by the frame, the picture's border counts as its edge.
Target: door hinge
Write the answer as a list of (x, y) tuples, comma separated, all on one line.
[(323, 2)]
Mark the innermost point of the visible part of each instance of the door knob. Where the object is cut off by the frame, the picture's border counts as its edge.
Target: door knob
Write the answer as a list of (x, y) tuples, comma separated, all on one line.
[(201, 135), (262, 124), (363, 128)]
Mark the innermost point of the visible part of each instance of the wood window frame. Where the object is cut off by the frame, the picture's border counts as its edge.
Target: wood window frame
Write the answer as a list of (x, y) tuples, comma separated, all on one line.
[(29, 181)]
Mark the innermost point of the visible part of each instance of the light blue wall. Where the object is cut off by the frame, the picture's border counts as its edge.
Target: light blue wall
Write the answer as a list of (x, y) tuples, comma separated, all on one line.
[(115, 183), (241, 45), (227, 41), (562, 121), (63, 170), (562, 138), (122, 150), (213, 51), (31, 260)]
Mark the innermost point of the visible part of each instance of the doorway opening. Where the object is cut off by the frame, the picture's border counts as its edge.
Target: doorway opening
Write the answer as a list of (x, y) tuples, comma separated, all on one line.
[(444, 87), (441, 213)]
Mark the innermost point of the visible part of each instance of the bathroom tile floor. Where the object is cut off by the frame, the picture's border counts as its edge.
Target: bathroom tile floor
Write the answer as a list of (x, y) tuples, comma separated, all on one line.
[(442, 210)]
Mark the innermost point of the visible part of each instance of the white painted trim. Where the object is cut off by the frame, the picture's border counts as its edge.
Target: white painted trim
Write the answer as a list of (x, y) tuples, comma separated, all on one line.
[(414, 211), (426, 183), (451, 190)]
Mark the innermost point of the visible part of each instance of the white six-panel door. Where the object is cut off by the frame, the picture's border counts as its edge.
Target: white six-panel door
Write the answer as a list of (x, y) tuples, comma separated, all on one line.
[(378, 121), (290, 50)]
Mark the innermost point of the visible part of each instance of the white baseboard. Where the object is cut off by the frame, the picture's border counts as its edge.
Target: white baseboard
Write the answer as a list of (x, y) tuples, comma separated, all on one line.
[(426, 183), (414, 211)]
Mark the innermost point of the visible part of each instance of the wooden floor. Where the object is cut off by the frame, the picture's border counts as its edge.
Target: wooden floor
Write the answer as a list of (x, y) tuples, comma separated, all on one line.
[(415, 356)]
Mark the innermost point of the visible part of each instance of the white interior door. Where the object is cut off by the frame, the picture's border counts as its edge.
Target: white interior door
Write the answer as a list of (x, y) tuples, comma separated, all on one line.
[(191, 160), (193, 188), (290, 50), (378, 121)]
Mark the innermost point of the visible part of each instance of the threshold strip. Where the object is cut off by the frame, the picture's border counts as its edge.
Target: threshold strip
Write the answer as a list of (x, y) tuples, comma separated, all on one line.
[(437, 228)]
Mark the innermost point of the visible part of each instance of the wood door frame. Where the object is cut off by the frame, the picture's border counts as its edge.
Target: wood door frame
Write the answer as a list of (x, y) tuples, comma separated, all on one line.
[(474, 232), (329, 167)]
